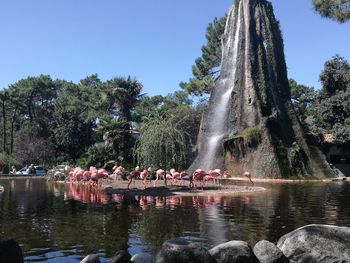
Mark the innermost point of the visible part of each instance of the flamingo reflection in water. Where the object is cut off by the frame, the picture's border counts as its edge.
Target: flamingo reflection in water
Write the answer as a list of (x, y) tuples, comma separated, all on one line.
[(86, 194)]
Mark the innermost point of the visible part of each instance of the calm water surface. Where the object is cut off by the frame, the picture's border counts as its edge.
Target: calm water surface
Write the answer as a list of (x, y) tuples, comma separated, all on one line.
[(58, 223)]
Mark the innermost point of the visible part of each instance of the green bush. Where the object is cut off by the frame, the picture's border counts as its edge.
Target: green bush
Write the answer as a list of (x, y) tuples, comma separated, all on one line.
[(6, 161), (251, 135), (97, 155)]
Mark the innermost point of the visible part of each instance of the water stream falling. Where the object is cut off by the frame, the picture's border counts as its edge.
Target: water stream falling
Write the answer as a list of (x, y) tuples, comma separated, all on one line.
[(216, 127), (252, 95)]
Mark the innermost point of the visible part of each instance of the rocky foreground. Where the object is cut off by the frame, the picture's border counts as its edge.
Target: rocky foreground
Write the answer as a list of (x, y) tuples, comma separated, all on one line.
[(311, 243)]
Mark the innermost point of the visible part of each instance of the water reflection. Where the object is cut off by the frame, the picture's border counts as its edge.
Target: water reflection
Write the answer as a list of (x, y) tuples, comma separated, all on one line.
[(65, 222)]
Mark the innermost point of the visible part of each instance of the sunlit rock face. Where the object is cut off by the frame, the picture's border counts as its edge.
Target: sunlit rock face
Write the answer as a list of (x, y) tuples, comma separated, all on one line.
[(250, 124)]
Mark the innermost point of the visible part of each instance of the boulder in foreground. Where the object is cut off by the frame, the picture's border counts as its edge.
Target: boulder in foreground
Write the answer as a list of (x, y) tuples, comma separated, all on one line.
[(268, 252), (10, 251), (233, 252), (180, 250), (317, 243)]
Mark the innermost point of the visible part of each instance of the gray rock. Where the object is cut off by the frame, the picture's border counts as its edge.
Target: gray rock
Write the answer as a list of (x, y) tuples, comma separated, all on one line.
[(93, 258), (121, 256), (180, 250), (233, 252), (10, 251), (268, 252), (317, 243)]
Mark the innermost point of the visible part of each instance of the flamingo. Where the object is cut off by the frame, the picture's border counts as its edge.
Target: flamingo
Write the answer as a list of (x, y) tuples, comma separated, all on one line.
[(227, 174), (198, 175), (86, 176), (133, 174), (118, 171), (144, 175), (249, 176), (207, 178), (159, 173), (216, 175), (174, 175)]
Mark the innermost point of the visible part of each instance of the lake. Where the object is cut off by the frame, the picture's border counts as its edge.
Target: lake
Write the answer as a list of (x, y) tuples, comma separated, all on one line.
[(62, 223)]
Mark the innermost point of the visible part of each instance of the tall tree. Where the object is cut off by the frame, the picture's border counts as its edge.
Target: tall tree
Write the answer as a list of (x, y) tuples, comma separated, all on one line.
[(338, 10), (332, 110), (169, 136), (335, 76), (91, 81), (161, 145), (74, 120), (207, 67), (37, 95), (4, 98), (303, 98), (120, 96)]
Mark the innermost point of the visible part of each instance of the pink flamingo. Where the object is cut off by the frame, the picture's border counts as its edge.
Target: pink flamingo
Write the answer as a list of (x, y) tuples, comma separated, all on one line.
[(216, 175), (249, 176), (144, 174), (159, 173), (199, 175), (227, 174), (174, 175), (133, 174), (118, 171), (207, 178), (86, 176)]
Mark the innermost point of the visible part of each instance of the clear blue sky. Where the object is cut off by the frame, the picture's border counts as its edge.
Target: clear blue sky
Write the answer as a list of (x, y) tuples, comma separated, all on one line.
[(156, 41)]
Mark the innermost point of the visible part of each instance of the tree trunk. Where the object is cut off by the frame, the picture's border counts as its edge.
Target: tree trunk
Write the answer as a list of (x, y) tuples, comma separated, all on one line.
[(12, 130), (4, 148)]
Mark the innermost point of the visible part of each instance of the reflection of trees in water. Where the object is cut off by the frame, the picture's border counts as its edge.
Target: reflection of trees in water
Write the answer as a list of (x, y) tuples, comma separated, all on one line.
[(245, 216), (164, 220), (21, 204), (40, 217), (309, 203)]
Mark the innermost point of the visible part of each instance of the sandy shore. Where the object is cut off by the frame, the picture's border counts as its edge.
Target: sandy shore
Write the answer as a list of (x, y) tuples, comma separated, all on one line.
[(120, 187)]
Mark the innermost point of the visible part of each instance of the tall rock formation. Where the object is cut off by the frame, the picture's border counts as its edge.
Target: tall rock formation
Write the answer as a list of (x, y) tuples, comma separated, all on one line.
[(250, 124)]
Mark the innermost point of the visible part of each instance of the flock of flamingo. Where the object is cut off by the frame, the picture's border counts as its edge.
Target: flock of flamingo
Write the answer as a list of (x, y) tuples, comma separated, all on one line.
[(94, 176)]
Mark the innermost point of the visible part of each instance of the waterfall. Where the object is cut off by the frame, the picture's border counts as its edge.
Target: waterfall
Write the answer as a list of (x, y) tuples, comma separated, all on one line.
[(252, 93), (216, 127)]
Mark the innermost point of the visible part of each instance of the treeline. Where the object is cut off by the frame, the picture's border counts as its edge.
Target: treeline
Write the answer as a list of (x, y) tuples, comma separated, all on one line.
[(46, 121), (326, 111)]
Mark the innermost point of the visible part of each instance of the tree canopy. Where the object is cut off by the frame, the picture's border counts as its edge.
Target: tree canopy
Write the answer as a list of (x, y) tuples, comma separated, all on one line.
[(338, 10), (303, 98), (331, 113)]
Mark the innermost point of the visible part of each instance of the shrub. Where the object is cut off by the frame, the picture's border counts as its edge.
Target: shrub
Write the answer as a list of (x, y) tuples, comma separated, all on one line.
[(252, 135)]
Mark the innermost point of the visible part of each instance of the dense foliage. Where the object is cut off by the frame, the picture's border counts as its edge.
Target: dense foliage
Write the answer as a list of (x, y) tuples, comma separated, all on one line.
[(326, 111), (169, 133), (338, 10), (46, 121), (303, 99), (331, 112)]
